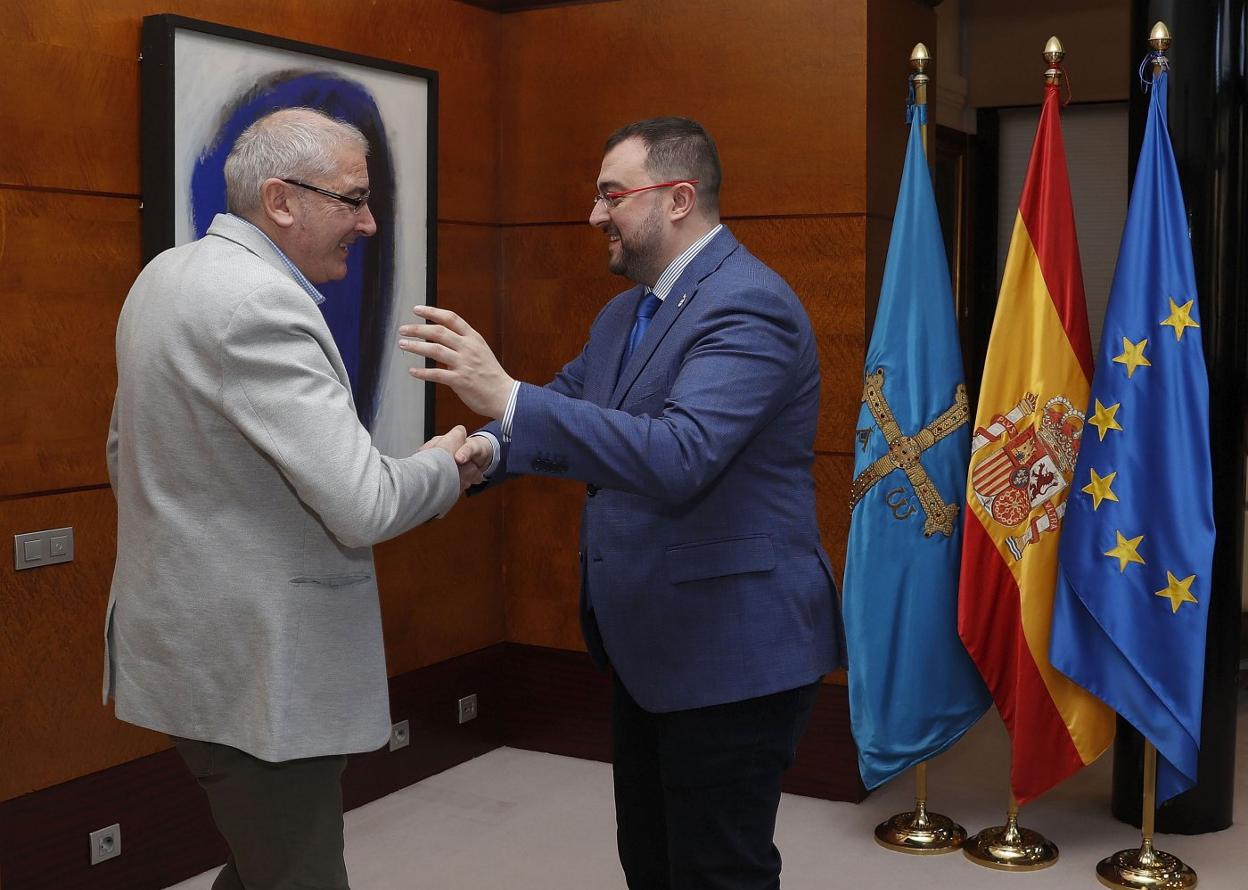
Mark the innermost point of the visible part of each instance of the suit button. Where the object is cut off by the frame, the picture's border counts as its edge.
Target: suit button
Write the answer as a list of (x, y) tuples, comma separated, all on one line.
[(591, 489)]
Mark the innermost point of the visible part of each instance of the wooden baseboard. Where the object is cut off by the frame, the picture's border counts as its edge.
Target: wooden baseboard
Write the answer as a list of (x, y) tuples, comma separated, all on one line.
[(528, 697)]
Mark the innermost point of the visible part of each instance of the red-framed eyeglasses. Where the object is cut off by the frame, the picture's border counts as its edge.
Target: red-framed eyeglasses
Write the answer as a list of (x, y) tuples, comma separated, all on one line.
[(612, 199)]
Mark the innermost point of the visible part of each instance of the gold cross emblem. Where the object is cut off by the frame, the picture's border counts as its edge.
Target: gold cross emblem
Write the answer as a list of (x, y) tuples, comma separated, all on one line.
[(904, 453)]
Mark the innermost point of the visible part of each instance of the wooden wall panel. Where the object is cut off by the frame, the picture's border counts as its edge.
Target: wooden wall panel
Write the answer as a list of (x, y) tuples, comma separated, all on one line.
[(53, 726), (778, 83), (833, 475), (555, 281), (541, 577), (86, 55), (822, 259), (468, 273), (68, 261), (441, 588), (1003, 43), (893, 28)]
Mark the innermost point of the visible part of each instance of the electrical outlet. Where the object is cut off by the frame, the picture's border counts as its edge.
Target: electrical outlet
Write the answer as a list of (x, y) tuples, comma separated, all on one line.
[(400, 735), (105, 844), (468, 708)]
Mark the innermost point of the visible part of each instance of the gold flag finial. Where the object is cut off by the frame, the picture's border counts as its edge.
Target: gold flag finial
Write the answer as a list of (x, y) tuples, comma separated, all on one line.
[(1053, 54), (1159, 38), (920, 58)]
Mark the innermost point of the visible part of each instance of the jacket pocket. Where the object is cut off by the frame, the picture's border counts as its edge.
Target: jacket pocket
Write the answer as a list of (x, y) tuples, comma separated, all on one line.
[(714, 559)]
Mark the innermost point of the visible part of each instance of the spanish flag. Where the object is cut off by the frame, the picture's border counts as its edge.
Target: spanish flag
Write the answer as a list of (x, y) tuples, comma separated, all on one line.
[(1026, 438)]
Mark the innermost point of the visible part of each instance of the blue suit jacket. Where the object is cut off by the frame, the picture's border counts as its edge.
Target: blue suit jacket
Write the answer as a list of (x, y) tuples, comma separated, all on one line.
[(700, 548)]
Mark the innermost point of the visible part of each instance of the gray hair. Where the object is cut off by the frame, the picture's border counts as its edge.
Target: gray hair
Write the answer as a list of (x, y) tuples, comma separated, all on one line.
[(291, 143)]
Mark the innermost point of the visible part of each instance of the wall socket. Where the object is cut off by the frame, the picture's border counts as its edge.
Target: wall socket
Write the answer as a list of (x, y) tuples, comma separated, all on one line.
[(468, 708), (105, 844), (400, 735)]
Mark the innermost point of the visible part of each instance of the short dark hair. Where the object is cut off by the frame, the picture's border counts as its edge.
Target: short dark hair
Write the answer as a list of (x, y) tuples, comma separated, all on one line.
[(677, 148)]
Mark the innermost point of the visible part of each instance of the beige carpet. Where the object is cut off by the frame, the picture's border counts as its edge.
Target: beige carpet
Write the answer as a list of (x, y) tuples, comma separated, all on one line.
[(519, 820)]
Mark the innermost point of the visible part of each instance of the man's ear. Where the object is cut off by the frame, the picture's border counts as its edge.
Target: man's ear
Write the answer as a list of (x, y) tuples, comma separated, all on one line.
[(275, 201), (684, 200)]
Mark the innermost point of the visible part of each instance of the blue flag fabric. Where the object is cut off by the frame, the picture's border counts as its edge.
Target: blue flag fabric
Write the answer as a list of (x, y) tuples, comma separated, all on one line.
[(1136, 557), (913, 689)]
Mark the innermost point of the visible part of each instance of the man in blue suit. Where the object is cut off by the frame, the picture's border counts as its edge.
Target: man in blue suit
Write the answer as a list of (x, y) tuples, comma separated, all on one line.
[(691, 416)]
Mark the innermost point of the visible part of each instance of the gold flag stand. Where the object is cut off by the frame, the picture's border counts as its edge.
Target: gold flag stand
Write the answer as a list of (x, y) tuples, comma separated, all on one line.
[(1010, 848), (919, 831), (1146, 868)]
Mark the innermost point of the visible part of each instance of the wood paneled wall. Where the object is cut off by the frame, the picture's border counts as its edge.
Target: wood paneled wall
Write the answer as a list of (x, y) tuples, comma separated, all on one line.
[(1004, 43), (69, 249), (805, 99)]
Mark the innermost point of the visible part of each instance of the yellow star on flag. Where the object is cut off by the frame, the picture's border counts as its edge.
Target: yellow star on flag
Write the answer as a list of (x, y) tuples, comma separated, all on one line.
[(1104, 420), (1100, 489), (1124, 551), (1132, 355), (1179, 592), (1180, 318)]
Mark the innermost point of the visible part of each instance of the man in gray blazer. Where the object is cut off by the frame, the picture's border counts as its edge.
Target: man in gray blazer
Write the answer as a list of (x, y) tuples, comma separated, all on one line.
[(244, 619)]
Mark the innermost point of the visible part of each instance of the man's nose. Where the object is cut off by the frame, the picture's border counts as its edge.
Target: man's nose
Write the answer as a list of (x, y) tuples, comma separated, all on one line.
[(598, 216), (365, 224)]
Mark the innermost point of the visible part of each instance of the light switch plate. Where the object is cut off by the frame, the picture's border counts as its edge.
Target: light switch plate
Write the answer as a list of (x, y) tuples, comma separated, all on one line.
[(33, 550)]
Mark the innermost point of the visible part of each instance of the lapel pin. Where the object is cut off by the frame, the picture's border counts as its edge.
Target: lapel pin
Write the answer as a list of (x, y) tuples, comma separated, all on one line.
[(683, 297)]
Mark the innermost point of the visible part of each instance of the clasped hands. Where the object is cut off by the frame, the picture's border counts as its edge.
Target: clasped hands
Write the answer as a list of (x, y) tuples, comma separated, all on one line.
[(469, 367)]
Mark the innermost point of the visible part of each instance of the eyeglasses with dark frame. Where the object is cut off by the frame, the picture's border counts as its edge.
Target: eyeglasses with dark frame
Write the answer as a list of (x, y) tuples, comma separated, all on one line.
[(612, 199), (355, 202)]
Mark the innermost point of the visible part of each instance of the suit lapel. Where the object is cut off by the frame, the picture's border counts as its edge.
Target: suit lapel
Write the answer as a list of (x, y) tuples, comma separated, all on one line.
[(682, 294)]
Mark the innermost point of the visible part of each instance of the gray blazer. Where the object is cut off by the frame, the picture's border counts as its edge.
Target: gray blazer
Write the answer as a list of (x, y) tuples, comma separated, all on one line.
[(244, 602)]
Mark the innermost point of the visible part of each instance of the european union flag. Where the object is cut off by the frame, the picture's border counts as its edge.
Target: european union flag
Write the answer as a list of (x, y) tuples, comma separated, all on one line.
[(913, 689), (1137, 553)]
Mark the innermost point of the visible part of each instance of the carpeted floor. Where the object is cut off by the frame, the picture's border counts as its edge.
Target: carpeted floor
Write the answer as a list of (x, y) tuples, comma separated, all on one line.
[(519, 820)]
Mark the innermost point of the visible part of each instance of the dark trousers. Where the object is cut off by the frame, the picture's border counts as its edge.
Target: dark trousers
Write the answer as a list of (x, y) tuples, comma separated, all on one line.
[(696, 791), (282, 821)]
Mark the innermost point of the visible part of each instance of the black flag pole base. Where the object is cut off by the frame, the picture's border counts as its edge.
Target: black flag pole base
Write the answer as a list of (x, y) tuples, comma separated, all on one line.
[(920, 832), (1144, 869), (1010, 848)]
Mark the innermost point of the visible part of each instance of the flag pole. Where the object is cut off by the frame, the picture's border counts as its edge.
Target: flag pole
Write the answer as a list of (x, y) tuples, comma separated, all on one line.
[(920, 58), (1008, 847), (919, 831), (1146, 867)]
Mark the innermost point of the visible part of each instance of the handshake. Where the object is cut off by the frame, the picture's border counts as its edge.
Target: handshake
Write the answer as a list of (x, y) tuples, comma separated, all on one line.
[(472, 454)]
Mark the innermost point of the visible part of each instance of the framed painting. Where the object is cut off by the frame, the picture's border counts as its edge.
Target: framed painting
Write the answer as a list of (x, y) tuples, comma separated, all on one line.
[(204, 83)]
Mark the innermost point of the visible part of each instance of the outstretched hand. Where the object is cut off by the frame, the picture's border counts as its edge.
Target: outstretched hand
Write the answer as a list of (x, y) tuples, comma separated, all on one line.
[(468, 365)]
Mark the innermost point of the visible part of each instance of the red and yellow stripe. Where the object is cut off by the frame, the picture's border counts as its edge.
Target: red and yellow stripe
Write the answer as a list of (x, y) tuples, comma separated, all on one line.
[(1039, 344)]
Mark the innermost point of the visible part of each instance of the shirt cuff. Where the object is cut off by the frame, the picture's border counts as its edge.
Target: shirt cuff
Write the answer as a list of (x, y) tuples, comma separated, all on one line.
[(489, 437), (510, 413)]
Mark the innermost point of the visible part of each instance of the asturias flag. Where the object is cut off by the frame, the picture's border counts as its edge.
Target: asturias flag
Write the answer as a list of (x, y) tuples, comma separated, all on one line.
[(913, 690), (1137, 556), (1028, 429)]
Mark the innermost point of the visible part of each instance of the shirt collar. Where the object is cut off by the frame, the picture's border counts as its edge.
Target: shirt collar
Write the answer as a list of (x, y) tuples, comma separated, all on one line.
[(300, 278), (676, 268)]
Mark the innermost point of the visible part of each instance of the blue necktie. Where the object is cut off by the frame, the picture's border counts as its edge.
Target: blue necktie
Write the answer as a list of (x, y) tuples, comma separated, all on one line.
[(645, 311)]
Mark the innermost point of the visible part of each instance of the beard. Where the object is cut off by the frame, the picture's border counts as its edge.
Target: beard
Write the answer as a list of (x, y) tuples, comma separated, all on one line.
[(639, 252)]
